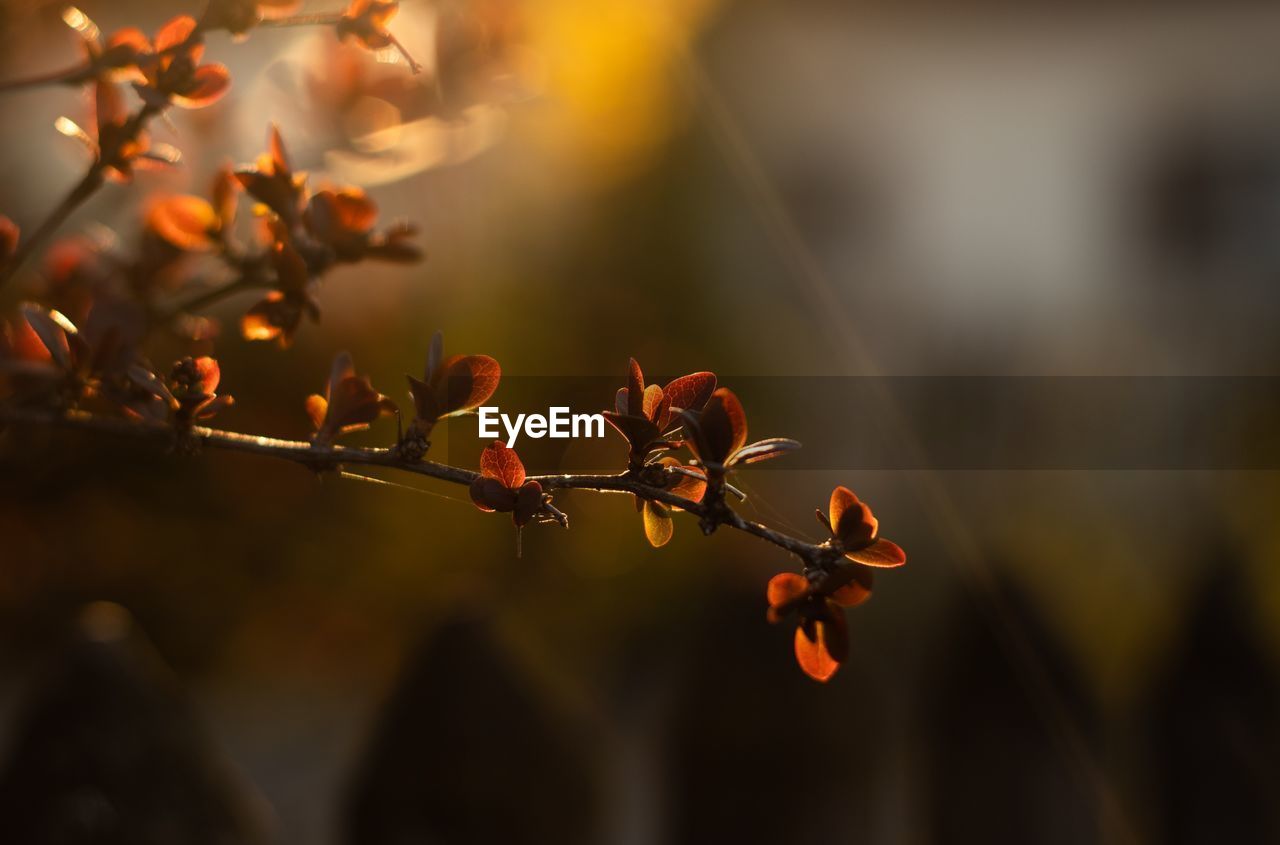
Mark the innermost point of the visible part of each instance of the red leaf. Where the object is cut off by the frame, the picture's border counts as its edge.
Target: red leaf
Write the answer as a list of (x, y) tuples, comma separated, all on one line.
[(635, 389), (722, 427), (689, 392), (468, 382), (498, 461)]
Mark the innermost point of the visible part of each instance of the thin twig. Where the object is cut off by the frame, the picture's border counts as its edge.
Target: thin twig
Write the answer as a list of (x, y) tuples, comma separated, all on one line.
[(65, 76), (29, 243), (333, 458)]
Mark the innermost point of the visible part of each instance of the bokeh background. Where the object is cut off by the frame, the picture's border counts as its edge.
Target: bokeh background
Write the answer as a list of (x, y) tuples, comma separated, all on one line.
[(226, 649)]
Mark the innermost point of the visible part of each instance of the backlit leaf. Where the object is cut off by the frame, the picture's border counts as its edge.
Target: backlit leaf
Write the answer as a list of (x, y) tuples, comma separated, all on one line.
[(852, 522), (883, 554), (763, 450), (786, 587), (317, 407), (658, 526), (175, 33), (635, 389), (53, 329), (500, 462), (185, 221), (821, 646), (690, 392), (208, 84), (722, 427), (469, 381)]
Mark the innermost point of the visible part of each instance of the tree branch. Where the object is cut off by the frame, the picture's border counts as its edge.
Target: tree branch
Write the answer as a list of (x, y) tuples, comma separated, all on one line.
[(331, 458)]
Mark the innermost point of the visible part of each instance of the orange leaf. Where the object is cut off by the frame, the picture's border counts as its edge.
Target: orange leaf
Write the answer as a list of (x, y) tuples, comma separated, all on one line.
[(851, 521), (856, 591), (821, 646), (786, 587), (208, 84), (658, 526), (184, 221), (208, 374), (882, 554), (175, 32), (317, 408)]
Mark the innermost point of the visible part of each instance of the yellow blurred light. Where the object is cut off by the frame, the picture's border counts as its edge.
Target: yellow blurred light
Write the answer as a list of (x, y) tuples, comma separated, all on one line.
[(80, 22), (610, 66)]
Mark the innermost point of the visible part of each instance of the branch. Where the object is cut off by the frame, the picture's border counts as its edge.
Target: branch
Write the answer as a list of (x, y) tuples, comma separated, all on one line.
[(332, 458), (93, 179)]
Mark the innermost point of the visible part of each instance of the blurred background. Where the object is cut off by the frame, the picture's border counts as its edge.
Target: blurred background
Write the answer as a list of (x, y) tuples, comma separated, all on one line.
[(224, 649)]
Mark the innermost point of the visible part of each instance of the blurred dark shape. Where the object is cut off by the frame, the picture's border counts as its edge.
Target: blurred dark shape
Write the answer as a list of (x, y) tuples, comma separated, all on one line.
[(109, 750), (1010, 721), (757, 751), (1213, 742), (1210, 196), (466, 751)]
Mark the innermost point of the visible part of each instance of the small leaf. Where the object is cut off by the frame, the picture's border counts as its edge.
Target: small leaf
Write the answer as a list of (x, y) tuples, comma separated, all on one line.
[(882, 554), (685, 481), (53, 329), (468, 382), (175, 33), (785, 588), (498, 461), (528, 503), (852, 522), (658, 526), (821, 646), (208, 85), (490, 494), (186, 222), (689, 392), (9, 235), (640, 432), (856, 591), (635, 389), (721, 427), (652, 405), (317, 408), (763, 450)]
